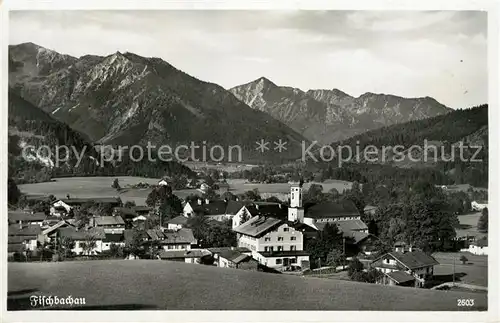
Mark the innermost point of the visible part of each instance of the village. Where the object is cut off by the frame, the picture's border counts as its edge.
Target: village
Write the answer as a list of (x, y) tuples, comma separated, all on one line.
[(269, 235)]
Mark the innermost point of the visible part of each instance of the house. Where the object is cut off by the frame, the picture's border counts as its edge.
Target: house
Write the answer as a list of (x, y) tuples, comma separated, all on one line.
[(215, 209), (479, 205), (49, 233), (82, 238), (142, 209), (275, 234), (181, 239), (410, 268), (26, 218), (479, 247), (63, 206), (192, 256), (22, 237), (251, 209), (177, 223), (235, 259), (110, 224)]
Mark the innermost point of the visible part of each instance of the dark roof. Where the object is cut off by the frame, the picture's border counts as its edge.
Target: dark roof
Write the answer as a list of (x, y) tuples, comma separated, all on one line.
[(16, 216), (113, 237), (271, 209), (286, 253), (216, 207), (414, 259), (344, 208), (75, 234), (400, 276), (233, 207), (180, 254), (26, 230), (351, 225), (142, 208), (356, 236), (234, 256), (183, 235), (125, 211), (105, 200), (19, 239), (221, 249), (178, 220), (108, 220)]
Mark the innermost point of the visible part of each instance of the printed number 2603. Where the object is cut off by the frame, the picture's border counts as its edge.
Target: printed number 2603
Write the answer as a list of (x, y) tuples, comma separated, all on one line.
[(465, 302)]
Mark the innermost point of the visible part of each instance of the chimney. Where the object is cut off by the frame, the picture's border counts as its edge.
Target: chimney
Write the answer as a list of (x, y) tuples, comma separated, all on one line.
[(20, 225), (207, 201), (410, 249), (199, 201)]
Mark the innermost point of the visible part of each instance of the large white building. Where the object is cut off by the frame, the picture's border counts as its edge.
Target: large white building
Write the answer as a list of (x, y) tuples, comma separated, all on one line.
[(275, 235)]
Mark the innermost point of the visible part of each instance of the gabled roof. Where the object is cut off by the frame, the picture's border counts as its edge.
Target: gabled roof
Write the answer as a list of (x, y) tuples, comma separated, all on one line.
[(400, 276), (141, 208), (344, 208), (108, 220), (258, 225), (216, 207), (26, 230), (234, 256), (356, 236), (16, 216), (56, 226), (183, 235), (414, 259), (269, 209), (351, 225), (234, 207), (180, 219), (75, 234)]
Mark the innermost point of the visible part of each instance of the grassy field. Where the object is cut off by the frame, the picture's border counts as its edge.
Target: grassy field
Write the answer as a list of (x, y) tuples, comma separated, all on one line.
[(155, 284), (468, 225), (474, 272), (101, 187)]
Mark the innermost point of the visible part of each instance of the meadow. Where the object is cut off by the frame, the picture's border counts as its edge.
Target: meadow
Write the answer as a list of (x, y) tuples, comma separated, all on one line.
[(156, 284), (87, 187)]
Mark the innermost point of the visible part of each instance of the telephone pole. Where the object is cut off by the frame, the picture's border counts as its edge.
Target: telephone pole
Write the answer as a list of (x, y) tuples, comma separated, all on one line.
[(453, 271)]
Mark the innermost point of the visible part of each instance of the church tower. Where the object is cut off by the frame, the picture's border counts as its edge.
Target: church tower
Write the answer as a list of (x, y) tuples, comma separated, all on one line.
[(296, 210)]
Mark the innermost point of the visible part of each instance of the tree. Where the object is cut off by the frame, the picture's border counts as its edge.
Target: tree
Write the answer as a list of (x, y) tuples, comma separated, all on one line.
[(199, 224), (314, 194), (245, 216), (129, 204), (356, 196), (66, 245), (89, 244), (355, 266), (463, 259), (228, 196), (115, 251), (135, 246), (319, 247), (335, 258), (13, 193), (116, 185), (482, 223)]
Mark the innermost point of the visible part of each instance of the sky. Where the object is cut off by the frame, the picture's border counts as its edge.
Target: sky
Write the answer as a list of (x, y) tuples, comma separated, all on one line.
[(442, 54)]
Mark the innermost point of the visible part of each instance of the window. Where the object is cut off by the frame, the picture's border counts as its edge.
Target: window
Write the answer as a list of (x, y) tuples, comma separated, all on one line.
[(293, 248), (267, 239), (278, 261), (280, 238), (387, 260), (293, 238), (271, 249), (293, 260), (286, 229), (280, 248), (266, 249)]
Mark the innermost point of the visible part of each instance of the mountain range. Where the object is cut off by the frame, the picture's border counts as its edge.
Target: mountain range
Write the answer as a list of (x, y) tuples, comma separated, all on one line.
[(127, 99), (331, 115)]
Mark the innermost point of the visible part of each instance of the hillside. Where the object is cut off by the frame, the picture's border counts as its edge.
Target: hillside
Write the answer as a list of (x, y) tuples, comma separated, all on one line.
[(30, 126), (332, 115), (126, 99), (162, 285)]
